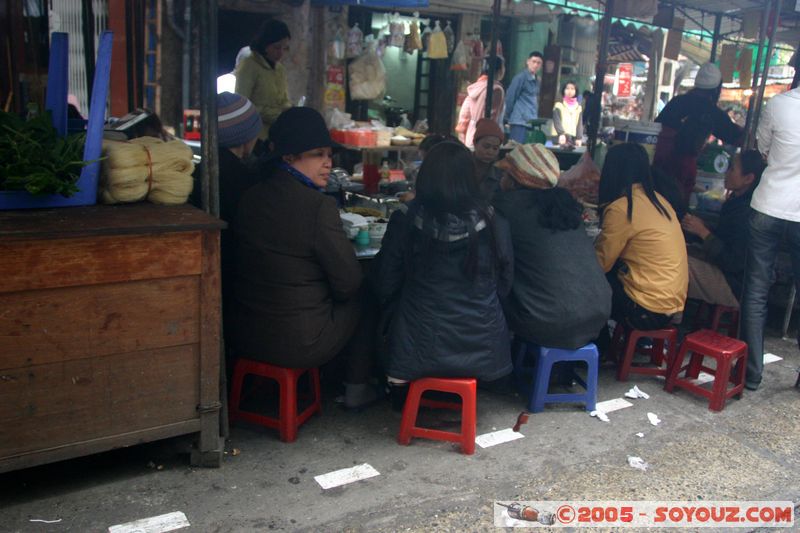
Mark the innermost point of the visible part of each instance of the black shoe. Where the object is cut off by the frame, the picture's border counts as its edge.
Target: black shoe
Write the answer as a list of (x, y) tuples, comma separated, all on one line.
[(751, 386), (398, 394)]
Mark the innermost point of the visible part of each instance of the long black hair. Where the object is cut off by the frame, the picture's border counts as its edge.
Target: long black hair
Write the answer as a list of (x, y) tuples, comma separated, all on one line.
[(558, 209), (271, 31), (448, 184), (626, 165)]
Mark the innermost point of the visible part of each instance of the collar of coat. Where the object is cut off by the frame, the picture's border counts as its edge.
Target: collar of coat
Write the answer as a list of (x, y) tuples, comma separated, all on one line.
[(455, 229)]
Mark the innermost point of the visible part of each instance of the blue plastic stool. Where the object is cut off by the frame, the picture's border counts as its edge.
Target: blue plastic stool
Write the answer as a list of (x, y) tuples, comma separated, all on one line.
[(540, 374)]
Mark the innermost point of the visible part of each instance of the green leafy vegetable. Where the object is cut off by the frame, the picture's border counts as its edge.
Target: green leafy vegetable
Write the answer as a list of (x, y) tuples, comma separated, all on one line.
[(34, 158)]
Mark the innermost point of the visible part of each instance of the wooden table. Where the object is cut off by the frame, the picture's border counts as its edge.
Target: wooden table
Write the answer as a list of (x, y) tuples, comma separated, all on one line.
[(109, 331)]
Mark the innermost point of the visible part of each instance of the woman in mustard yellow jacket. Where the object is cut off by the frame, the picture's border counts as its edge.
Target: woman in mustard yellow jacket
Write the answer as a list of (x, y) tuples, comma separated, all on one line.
[(261, 78)]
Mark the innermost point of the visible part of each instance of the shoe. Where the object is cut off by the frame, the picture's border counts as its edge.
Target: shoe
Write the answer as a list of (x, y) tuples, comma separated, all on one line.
[(398, 392), (751, 386), (358, 397)]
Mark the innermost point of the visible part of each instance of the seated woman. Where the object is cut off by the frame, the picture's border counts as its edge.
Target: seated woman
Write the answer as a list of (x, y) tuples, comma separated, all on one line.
[(717, 274), (568, 117), (298, 280), (641, 244), (441, 272), (560, 297), (488, 138)]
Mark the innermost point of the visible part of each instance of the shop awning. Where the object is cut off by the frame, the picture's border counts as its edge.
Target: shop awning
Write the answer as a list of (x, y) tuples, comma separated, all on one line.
[(388, 4)]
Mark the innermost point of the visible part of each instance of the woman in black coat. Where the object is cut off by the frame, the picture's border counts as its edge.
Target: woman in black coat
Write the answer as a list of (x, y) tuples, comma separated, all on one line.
[(443, 267)]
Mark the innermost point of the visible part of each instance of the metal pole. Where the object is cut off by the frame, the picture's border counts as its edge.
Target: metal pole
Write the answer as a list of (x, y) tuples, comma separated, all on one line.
[(765, 73), (600, 75), (186, 61), (87, 14), (756, 72), (209, 178), (487, 112), (715, 38)]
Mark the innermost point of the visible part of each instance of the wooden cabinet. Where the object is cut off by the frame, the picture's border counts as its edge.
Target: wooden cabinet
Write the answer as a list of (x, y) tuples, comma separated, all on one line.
[(109, 331)]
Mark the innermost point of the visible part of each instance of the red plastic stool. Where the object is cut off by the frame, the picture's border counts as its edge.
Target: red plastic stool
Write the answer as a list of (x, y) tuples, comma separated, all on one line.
[(464, 387), (625, 340), (714, 321), (731, 356), (289, 419)]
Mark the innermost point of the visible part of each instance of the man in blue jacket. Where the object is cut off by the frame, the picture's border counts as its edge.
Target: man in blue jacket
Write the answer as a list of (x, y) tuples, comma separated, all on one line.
[(522, 98)]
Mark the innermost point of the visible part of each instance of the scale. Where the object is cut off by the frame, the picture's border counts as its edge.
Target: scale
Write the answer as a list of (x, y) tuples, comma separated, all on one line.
[(535, 133)]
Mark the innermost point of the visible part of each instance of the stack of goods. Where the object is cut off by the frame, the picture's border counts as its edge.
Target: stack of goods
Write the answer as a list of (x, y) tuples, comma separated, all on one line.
[(146, 168)]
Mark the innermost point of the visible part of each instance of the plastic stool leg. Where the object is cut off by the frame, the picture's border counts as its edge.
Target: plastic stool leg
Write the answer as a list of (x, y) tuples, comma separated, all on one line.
[(718, 391), (288, 406), (672, 374), (544, 366), (468, 420), (58, 82), (624, 368), (315, 383), (592, 364), (410, 410)]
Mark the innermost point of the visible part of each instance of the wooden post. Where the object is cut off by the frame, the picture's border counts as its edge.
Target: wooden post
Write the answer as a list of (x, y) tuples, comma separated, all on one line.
[(487, 113), (600, 74), (777, 4), (748, 141)]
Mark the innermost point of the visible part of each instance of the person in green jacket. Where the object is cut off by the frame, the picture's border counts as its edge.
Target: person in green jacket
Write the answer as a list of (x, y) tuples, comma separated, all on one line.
[(261, 78)]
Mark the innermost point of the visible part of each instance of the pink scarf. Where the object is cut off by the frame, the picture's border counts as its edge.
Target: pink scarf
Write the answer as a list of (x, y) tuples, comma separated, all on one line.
[(571, 102)]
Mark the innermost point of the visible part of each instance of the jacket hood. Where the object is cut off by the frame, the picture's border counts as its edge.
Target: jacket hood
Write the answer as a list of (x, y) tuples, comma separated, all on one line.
[(477, 89), (455, 228)]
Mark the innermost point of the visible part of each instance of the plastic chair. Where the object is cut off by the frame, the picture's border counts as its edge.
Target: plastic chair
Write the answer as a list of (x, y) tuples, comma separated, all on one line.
[(623, 347), (539, 374), (464, 387), (288, 419), (731, 357), (714, 321)]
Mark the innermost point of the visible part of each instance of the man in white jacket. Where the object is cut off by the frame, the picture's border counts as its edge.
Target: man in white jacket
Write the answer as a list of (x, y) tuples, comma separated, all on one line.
[(775, 217)]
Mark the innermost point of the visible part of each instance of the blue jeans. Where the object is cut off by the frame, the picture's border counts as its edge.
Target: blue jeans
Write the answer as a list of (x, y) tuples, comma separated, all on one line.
[(518, 133), (766, 235)]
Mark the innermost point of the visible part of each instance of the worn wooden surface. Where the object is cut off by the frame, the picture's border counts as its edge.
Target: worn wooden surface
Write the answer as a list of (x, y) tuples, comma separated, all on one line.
[(109, 331)]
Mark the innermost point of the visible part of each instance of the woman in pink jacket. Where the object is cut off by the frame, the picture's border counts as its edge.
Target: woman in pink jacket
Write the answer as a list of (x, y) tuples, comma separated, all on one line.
[(474, 106)]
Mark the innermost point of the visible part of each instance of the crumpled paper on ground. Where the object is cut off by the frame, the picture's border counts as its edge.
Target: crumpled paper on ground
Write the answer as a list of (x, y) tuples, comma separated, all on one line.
[(653, 418), (638, 463), (600, 415), (635, 392)]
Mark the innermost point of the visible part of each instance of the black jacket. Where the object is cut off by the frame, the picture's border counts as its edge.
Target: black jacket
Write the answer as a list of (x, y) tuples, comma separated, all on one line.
[(726, 247), (560, 297), (443, 324), (695, 117)]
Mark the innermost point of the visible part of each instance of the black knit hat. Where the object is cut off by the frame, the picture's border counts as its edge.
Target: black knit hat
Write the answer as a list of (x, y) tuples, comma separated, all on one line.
[(298, 130)]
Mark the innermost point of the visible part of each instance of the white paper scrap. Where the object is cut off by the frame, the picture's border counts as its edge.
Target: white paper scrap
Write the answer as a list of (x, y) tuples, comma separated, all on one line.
[(154, 524), (640, 435), (609, 406), (637, 462), (703, 377), (497, 437), (771, 358), (635, 392), (43, 521), (345, 476), (601, 415), (653, 418)]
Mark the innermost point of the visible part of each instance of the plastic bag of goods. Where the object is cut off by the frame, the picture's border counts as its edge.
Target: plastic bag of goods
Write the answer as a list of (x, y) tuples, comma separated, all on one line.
[(146, 168), (367, 77), (582, 180)]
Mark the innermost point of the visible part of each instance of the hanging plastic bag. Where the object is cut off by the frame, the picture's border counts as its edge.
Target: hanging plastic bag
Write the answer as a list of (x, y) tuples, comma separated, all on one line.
[(450, 37), (413, 41), (426, 38), (336, 48), (437, 48), (355, 42), (367, 76), (460, 58), (397, 32)]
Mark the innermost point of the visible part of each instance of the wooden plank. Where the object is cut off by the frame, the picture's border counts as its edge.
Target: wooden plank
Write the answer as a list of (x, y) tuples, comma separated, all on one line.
[(128, 219), (59, 325), (86, 447), (210, 342), (43, 264), (59, 404)]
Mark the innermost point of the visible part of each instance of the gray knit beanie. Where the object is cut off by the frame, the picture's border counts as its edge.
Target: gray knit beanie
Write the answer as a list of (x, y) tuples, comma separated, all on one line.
[(238, 122), (708, 77)]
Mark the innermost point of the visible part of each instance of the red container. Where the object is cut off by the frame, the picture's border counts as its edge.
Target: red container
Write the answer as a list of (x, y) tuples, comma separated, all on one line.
[(339, 136), (371, 178), (361, 137)]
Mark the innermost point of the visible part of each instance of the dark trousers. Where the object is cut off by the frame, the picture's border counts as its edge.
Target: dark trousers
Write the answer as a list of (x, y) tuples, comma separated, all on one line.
[(766, 234)]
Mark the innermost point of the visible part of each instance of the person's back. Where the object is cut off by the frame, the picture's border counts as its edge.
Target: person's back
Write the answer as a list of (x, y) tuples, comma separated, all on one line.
[(560, 297), (441, 275)]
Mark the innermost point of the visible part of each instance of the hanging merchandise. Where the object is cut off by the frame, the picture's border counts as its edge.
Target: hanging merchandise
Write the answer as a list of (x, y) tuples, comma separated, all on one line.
[(450, 37), (355, 41), (745, 68), (426, 38), (397, 32), (727, 62), (460, 57), (476, 58), (336, 48), (413, 41), (437, 49), (367, 74)]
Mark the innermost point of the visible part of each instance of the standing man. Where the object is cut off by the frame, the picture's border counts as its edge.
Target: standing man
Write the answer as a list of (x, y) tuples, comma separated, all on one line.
[(775, 216), (522, 99)]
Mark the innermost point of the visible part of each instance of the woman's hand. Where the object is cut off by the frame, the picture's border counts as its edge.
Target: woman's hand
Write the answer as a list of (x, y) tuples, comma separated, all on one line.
[(695, 225), (562, 139)]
